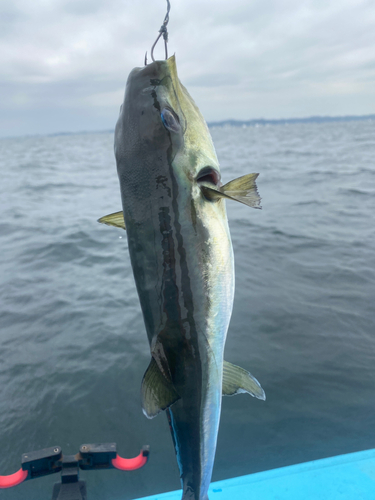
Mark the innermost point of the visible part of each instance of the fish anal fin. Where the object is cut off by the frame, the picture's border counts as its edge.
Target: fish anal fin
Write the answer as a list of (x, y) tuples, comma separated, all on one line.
[(158, 393), (236, 380), (116, 219), (243, 189)]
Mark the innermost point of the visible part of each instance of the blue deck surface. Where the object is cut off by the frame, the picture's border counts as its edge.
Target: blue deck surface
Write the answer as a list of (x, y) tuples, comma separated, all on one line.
[(344, 477)]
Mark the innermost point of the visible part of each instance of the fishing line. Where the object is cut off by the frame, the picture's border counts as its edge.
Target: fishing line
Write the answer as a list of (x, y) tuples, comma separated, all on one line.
[(162, 32)]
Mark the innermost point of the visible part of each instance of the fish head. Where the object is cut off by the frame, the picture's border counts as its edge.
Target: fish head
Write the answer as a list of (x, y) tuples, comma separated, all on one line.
[(149, 96), (160, 122)]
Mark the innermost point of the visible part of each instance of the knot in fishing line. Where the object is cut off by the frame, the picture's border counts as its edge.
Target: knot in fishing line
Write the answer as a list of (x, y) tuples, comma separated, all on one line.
[(162, 32)]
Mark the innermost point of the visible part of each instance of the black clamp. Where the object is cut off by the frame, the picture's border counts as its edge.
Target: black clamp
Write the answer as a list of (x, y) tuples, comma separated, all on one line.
[(90, 457)]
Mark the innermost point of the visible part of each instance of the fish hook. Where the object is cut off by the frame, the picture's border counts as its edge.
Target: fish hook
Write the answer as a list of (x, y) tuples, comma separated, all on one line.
[(163, 31)]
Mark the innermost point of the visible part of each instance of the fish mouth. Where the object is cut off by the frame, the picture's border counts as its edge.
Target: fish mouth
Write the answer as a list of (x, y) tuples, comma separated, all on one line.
[(209, 175)]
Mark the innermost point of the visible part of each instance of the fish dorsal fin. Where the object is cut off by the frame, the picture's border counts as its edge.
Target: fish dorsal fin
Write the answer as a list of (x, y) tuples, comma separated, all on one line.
[(236, 380), (243, 189), (157, 392), (116, 219)]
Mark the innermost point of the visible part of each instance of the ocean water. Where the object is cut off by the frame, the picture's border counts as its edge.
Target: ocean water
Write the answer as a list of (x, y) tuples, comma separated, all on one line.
[(73, 347)]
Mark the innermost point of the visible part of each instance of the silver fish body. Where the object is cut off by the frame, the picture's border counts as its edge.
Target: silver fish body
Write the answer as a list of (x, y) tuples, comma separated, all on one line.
[(182, 260)]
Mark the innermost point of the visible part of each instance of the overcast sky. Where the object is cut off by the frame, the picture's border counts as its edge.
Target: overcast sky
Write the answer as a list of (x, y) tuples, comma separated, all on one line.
[(64, 63)]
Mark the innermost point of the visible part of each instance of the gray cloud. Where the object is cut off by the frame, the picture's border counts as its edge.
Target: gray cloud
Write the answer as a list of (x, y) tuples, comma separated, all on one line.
[(67, 59)]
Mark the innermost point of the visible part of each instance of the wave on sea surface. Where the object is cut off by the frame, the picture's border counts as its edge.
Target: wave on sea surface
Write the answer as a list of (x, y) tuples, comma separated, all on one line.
[(73, 346)]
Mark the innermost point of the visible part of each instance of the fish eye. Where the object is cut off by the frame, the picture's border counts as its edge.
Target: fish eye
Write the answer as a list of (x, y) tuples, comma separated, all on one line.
[(170, 120)]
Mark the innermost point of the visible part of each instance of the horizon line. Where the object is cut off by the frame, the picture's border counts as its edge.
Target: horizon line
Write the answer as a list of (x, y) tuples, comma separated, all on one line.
[(229, 121)]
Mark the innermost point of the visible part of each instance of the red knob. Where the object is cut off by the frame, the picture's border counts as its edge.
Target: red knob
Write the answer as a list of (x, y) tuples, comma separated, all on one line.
[(130, 463), (13, 479)]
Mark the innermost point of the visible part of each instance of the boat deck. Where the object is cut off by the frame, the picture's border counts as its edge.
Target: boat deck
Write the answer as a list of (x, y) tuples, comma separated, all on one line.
[(344, 477)]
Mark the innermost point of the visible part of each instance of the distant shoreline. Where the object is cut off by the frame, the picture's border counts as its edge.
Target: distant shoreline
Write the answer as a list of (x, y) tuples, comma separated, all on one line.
[(258, 121), (229, 123), (286, 121)]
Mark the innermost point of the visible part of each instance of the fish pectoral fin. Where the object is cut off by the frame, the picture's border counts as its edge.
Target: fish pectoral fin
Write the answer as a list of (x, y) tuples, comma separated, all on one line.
[(236, 380), (243, 189), (116, 219), (157, 392)]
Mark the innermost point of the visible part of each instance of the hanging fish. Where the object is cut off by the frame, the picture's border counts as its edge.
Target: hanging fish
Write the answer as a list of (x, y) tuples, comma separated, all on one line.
[(182, 259)]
